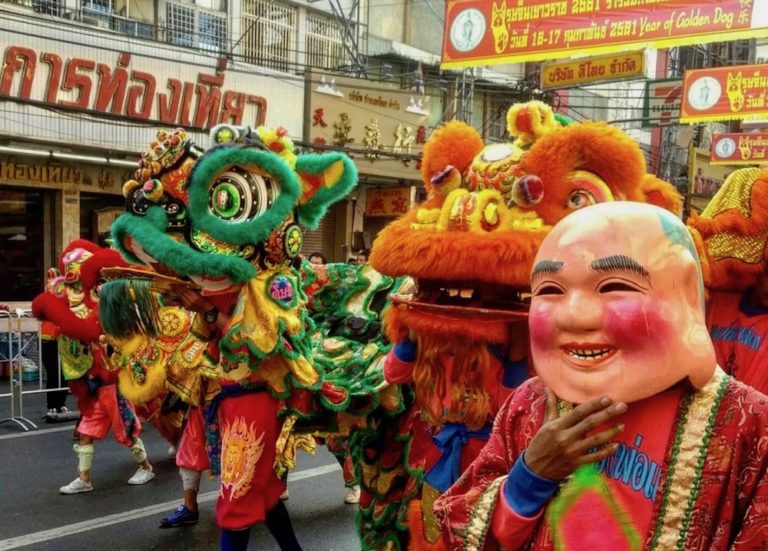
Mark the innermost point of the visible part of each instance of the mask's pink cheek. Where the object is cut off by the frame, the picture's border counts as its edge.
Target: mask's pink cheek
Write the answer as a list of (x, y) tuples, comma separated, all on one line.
[(541, 325), (632, 321)]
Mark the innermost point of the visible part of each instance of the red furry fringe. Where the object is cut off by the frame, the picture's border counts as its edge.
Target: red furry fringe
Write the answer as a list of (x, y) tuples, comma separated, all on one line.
[(397, 321), (47, 307)]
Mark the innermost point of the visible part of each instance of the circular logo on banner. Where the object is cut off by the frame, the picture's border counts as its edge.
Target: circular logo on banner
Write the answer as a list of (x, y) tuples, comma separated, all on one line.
[(281, 290), (725, 147), (467, 30), (704, 93)]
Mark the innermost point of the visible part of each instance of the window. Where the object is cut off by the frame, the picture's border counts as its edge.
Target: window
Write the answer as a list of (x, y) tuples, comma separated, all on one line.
[(324, 46), (495, 124), (196, 28), (181, 25), (48, 7), (213, 32), (98, 9), (269, 34)]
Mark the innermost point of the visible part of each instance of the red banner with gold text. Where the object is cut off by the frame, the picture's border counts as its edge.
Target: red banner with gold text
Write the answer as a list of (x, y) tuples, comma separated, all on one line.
[(746, 148), (725, 93), (484, 32)]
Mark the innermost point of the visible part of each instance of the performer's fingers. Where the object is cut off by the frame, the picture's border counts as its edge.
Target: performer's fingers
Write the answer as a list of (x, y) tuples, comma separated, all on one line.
[(598, 455), (598, 439), (582, 411), (596, 419), (551, 406)]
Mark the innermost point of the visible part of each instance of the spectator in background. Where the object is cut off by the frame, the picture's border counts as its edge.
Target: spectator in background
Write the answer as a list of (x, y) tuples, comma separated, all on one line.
[(362, 256), (55, 399), (318, 259)]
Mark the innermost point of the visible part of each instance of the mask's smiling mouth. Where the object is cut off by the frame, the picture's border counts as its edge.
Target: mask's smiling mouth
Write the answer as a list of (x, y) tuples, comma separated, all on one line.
[(588, 354)]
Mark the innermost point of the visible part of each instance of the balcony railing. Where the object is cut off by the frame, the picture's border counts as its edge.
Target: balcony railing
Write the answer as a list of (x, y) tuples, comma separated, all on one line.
[(258, 46)]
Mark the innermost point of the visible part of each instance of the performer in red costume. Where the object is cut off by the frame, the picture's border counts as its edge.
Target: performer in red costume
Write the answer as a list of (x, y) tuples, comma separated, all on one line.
[(731, 237), (739, 327), (72, 304), (663, 451)]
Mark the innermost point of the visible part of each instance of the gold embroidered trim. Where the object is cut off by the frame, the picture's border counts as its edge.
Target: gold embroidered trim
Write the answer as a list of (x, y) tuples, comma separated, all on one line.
[(685, 469), (480, 519)]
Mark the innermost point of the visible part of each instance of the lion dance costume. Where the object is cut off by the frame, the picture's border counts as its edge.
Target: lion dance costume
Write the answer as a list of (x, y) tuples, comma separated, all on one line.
[(460, 327), (731, 235), (71, 302), (227, 221)]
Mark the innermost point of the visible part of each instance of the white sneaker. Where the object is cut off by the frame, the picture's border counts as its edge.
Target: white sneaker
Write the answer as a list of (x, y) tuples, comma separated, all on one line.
[(353, 495), (142, 476), (77, 486)]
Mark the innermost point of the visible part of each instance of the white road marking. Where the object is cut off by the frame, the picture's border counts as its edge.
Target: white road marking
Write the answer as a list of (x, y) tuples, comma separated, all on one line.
[(39, 431), (151, 510)]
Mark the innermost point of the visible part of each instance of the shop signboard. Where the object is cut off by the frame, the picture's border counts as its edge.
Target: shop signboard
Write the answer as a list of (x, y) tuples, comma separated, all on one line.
[(725, 93), (387, 201), (592, 70), (80, 86), (745, 148), (39, 173), (661, 105), (484, 32), (382, 128)]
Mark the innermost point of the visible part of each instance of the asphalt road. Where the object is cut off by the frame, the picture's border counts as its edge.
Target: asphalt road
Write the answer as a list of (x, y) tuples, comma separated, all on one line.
[(116, 516)]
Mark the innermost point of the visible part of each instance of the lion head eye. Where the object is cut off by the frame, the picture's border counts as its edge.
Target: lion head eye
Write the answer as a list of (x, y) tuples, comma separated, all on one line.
[(239, 194)]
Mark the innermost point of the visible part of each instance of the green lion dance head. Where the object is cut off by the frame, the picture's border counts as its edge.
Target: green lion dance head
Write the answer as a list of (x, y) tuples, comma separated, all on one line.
[(220, 216)]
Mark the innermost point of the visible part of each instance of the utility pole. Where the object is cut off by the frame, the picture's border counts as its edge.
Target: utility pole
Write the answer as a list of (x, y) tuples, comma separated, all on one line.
[(464, 95), (350, 34), (669, 133)]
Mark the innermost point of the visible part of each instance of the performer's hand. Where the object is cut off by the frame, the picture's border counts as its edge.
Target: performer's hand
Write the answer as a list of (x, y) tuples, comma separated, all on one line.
[(562, 445), (190, 299)]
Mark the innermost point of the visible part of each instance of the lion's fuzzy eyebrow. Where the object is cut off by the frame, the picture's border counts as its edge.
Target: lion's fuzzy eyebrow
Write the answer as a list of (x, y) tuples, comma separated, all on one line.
[(620, 263)]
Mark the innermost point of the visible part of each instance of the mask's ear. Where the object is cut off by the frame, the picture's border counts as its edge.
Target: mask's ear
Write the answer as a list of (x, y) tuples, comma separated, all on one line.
[(325, 179), (662, 194)]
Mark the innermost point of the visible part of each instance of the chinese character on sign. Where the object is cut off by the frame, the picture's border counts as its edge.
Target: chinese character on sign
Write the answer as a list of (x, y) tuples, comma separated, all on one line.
[(372, 139), (421, 135), (376, 206), (404, 138), (105, 179), (319, 140), (400, 205), (318, 118), (341, 129), (743, 17)]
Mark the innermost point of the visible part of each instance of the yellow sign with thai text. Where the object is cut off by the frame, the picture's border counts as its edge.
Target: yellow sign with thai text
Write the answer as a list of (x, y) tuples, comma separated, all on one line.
[(590, 70)]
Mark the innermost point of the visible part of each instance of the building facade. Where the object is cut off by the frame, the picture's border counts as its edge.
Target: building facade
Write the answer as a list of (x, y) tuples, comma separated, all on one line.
[(84, 84)]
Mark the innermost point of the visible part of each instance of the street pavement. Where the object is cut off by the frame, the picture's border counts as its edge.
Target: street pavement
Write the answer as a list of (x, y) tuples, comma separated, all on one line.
[(117, 516)]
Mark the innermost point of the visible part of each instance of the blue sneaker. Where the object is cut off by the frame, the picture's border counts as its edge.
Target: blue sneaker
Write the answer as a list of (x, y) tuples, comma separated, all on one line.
[(180, 517)]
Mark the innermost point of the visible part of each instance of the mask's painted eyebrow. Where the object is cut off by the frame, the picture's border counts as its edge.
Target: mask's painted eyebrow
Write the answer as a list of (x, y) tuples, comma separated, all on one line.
[(620, 263), (546, 267)]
